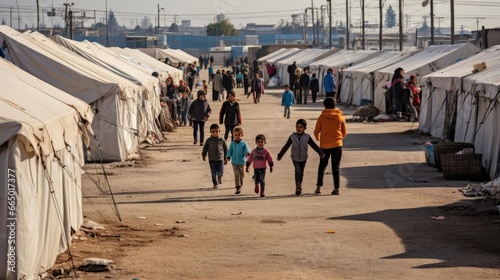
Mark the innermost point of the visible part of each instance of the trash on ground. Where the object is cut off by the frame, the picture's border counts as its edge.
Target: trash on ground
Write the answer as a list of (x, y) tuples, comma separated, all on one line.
[(92, 225), (438, 217)]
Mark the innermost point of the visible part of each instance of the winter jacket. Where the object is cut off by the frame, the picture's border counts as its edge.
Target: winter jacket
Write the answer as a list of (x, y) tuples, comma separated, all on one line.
[(215, 147), (199, 110), (217, 80), (238, 152), (329, 83), (314, 85), (185, 103), (299, 143), (227, 82), (257, 85), (304, 80), (260, 158), (288, 98), (330, 129), (231, 112)]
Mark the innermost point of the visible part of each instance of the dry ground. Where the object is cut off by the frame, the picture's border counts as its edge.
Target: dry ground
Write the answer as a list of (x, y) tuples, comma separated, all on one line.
[(381, 220)]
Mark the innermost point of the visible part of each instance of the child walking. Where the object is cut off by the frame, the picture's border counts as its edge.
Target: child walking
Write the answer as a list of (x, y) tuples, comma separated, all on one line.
[(200, 111), (216, 149), (299, 141), (287, 100), (184, 107), (260, 157), (238, 153), (230, 114)]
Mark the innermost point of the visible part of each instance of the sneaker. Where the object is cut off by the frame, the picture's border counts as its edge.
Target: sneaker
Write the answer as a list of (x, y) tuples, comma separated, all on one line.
[(238, 190), (256, 189), (335, 191), (194, 143), (215, 187), (298, 191), (318, 189), (219, 180), (201, 143), (262, 194)]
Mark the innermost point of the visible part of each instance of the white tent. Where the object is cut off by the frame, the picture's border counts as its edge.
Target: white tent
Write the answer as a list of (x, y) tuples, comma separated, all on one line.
[(272, 58), (41, 155), (440, 91), (174, 55), (302, 58), (137, 57), (426, 61), (149, 99), (357, 81), (338, 61), (113, 98)]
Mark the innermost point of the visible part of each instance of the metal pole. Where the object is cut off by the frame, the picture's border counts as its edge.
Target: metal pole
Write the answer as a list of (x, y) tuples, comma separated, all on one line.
[(452, 8), (158, 32), (330, 24), (363, 24), (71, 25), (37, 16), (313, 23), (400, 25), (347, 41), (380, 45), (305, 25), (432, 21), (107, 33)]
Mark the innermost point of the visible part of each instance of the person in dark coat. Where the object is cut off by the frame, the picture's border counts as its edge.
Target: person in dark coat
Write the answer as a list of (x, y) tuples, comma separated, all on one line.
[(398, 85), (304, 85), (199, 112), (227, 82), (230, 114), (314, 87), (211, 59), (291, 72), (200, 60), (205, 61)]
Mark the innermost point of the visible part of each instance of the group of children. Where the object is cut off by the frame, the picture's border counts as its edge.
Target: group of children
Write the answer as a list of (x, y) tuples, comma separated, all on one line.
[(330, 129)]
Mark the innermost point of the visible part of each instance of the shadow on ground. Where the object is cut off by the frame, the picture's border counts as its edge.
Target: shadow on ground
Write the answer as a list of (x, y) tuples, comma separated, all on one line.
[(462, 239)]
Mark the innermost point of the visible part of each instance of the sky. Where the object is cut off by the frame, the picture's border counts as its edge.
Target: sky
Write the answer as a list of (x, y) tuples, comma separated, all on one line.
[(468, 13)]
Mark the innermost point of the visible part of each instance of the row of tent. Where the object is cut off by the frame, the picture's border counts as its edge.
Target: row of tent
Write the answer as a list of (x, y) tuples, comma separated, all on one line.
[(175, 56), (456, 104), (62, 103)]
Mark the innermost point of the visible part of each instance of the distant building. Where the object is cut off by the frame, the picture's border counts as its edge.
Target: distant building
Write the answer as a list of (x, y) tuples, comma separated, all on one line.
[(253, 29)]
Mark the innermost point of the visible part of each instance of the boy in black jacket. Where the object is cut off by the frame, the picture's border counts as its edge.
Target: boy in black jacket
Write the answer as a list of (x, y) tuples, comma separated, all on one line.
[(230, 109), (314, 87)]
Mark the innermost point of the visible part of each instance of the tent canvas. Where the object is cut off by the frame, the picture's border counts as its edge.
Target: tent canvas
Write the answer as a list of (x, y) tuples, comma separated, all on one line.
[(114, 98), (443, 97), (426, 61), (302, 58), (142, 59), (357, 81), (151, 90), (338, 61), (274, 58), (41, 154)]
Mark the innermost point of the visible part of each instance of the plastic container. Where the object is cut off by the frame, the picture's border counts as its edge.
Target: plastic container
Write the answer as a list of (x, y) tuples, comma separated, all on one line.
[(429, 154)]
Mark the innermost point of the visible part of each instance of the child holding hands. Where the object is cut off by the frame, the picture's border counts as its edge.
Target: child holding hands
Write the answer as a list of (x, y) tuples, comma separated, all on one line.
[(299, 141), (260, 157), (238, 153)]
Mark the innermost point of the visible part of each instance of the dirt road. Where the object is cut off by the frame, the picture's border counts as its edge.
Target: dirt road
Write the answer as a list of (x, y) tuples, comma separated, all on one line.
[(381, 221)]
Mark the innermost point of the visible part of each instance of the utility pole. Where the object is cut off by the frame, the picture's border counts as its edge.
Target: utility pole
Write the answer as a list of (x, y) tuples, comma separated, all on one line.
[(452, 8), (158, 30), (380, 25), (347, 24), (305, 25), (363, 24), (37, 16), (71, 25), (106, 31), (313, 22), (400, 25), (66, 17), (329, 23)]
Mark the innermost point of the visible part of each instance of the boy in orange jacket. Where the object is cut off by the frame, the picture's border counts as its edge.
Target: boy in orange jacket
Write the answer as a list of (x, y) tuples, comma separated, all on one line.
[(330, 130)]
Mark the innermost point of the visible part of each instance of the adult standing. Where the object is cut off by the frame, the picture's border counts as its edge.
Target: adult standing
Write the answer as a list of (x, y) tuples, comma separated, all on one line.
[(228, 82), (211, 59), (257, 87), (329, 83), (217, 85), (296, 85), (255, 64), (398, 85), (200, 60), (330, 130), (191, 75), (314, 87), (304, 85), (291, 72), (205, 61), (199, 111)]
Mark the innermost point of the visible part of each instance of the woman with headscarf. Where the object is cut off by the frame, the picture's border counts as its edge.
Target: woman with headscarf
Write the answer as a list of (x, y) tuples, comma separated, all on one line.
[(398, 85)]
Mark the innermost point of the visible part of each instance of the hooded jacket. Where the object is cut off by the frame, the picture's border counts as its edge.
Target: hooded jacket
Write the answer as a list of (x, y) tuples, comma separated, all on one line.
[(330, 129), (329, 82)]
